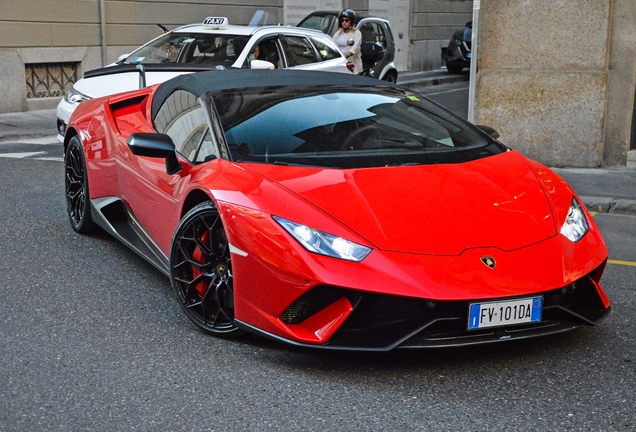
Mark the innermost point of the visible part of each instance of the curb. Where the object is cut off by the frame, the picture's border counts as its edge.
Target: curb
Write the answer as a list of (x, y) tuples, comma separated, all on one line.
[(610, 205), (415, 80)]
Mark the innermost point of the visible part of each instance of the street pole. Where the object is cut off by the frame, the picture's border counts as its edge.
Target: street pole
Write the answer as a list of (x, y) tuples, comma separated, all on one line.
[(474, 59), (102, 25)]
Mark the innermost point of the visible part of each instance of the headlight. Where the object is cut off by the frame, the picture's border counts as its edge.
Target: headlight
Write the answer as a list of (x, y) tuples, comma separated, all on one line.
[(73, 96), (323, 243), (576, 224)]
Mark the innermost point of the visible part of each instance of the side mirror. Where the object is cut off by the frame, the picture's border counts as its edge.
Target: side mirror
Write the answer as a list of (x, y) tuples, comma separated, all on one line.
[(490, 131), (122, 57), (155, 145), (261, 64)]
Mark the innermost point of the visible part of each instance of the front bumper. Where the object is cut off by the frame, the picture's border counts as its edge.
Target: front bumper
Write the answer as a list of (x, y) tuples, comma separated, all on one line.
[(64, 112), (380, 322), (394, 299)]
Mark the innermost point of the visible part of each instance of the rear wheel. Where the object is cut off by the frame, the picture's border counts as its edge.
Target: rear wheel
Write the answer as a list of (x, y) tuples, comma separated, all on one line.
[(201, 271), (390, 77), (76, 187), (454, 69)]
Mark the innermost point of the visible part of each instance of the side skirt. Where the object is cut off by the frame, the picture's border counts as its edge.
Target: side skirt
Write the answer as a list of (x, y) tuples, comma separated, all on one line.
[(113, 216)]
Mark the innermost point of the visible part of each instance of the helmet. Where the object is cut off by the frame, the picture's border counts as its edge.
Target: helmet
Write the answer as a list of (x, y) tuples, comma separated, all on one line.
[(348, 13)]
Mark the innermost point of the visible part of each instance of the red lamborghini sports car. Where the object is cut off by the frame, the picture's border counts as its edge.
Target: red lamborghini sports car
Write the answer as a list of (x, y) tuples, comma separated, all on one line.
[(333, 211)]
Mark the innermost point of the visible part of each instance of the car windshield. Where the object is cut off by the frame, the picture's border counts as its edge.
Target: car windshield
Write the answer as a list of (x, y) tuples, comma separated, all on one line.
[(344, 127), (190, 48), (316, 22)]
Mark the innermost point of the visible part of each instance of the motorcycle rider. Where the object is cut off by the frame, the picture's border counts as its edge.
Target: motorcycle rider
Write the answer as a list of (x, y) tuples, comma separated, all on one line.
[(349, 39)]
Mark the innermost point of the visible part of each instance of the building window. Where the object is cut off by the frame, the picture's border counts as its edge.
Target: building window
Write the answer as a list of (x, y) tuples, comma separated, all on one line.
[(45, 80)]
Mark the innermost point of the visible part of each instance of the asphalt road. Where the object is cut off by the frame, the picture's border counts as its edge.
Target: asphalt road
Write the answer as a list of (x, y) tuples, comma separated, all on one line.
[(91, 338), (452, 96)]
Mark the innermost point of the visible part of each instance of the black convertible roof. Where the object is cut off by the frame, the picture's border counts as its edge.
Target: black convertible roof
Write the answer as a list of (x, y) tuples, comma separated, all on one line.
[(200, 83)]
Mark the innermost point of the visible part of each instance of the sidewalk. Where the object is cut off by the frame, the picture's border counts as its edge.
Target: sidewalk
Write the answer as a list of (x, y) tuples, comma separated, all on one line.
[(601, 190), (30, 124)]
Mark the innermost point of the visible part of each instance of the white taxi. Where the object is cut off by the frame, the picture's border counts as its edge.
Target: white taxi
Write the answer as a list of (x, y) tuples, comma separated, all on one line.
[(214, 44)]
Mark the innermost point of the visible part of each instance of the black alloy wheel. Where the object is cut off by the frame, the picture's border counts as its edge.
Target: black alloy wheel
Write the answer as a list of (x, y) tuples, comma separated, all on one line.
[(201, 271), (76, 187)]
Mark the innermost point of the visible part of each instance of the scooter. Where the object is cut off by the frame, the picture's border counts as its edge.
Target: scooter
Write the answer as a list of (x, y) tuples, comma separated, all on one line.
[(371, 53)]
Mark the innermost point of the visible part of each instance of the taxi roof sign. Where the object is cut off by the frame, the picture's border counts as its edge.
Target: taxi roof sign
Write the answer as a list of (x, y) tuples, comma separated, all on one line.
[(216, 21)]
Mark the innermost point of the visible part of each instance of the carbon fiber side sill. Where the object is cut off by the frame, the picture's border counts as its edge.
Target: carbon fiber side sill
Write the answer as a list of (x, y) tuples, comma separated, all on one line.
[(112, 215)]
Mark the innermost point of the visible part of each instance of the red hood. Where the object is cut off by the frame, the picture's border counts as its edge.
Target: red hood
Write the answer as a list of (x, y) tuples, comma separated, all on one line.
[(434, 209)]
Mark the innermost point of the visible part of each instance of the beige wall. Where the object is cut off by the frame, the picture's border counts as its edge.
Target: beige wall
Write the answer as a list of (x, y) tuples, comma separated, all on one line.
[(43, 31), (556, 79), (621, 84)]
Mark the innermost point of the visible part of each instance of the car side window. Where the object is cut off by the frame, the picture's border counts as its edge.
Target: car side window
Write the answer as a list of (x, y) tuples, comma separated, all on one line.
[(207, 149), (270, 51), (183, 118), (326, 51), (301, 51), (373, 32)]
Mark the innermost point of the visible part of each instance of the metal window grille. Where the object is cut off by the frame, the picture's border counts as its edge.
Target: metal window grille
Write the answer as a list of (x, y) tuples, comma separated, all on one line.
[(45, 80)]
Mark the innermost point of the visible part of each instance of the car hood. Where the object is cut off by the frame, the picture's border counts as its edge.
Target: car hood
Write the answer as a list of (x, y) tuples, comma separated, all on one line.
[(432, 209), (106, 85)]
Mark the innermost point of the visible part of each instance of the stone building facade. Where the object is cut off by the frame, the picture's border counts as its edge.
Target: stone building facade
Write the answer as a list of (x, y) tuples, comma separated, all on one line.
[(558, 79), (47, 44)]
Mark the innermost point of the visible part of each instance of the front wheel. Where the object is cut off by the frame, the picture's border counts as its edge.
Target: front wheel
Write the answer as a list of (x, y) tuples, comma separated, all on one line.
[(201, 271)]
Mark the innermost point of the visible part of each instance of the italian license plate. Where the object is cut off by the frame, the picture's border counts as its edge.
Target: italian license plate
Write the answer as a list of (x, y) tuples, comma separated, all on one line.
[(505, 312)]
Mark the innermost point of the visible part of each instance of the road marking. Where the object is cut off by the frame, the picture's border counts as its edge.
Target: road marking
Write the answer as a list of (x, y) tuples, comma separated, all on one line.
[(49, 140), (21, 155), (625, 263), (592, 213), (445, 91), (51, 158)]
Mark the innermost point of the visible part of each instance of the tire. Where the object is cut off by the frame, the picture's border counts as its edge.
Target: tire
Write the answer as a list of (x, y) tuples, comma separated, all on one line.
[(390, 77), (454, 69), (201, 271), (76, 188)]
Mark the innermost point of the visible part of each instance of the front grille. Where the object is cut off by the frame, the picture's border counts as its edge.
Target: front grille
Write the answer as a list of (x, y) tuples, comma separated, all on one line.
[(314, 301), (380, 321)]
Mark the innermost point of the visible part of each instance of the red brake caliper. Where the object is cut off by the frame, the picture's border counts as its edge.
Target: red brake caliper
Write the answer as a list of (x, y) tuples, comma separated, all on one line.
[(199, 256)]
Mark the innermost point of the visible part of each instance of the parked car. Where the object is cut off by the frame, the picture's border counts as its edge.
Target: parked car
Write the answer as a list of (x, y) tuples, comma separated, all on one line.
[(376, 33), (333, 211), (212, 44), (457, 55)]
